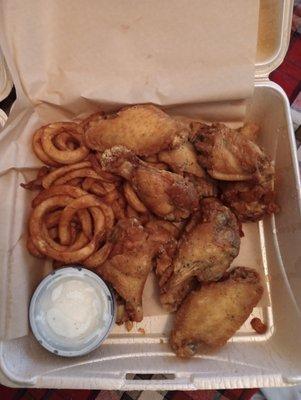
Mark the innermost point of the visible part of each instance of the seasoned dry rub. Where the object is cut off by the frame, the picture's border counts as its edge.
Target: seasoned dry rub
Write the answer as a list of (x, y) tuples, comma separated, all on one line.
[(145, 129), (166, 194), (233, 157), (228, 154), (205, 251), (205, 187), (182, 159), (129, 264), (210, 315)]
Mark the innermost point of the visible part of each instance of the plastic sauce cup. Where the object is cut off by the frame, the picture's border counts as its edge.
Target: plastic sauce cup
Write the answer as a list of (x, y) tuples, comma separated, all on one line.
[(72, 311)]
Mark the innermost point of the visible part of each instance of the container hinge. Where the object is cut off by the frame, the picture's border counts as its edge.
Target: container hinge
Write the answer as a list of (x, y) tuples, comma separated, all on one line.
[(262, 78)]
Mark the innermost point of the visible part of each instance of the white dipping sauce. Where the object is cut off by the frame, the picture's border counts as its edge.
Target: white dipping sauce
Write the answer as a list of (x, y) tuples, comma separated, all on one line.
[(71, 311), (72, 308)]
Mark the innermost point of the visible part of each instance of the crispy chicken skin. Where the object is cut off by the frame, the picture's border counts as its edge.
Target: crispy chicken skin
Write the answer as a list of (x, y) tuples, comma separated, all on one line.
[(249, 201), (166, 194), (165, 234), (129, 264), (250, 130), (210, 315), (229, 155), (131, 259), (205, 251), (145, 129), (182, 159), (246, 172), (205, 187)]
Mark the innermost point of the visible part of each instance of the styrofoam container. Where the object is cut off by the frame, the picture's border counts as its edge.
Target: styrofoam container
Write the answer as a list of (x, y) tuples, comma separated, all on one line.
[(6, 83), (3, 118), (249, 359)]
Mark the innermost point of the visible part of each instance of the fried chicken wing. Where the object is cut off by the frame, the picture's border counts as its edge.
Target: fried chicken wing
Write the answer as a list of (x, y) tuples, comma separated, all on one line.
[(210, 315), (250, 130), (130, 261), (249, 201), (166, 194), (165, 235), (206, 249), (182, 159), (227, 154), (145, 129), (205, 187)]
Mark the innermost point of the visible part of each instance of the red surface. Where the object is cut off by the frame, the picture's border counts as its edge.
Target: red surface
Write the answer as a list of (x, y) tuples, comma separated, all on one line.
[(288, 74)]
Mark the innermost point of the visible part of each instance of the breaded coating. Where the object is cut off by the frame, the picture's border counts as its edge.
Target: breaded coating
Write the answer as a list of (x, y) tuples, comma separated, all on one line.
[(211, 315)]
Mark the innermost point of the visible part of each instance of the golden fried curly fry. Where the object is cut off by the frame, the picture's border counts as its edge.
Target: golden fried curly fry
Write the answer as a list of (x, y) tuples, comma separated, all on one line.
[(110, 197), (39, 151), (37, 232), (68, 190), (133, 199), (211, 315), (36, 184), (57, 173), (118, 207), (67, 156), (65, 141), (79, 204), (99, 257), (78, 173), (32, 248), (144, 129)]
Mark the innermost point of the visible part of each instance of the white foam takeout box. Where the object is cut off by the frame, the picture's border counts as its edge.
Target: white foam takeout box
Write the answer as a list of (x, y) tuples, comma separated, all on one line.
[(5, 87), (249, 359)]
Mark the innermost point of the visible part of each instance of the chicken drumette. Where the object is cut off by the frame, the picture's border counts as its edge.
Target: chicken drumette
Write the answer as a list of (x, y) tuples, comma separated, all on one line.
[(166, 194), (205, 251), (210, 315)]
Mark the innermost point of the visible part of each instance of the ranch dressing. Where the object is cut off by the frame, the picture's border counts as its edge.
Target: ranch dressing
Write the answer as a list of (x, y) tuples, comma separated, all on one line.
[(71, 311)]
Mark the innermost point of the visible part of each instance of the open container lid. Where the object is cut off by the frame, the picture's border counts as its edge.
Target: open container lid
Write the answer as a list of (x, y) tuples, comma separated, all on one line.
[(141, 64), (274, 30)]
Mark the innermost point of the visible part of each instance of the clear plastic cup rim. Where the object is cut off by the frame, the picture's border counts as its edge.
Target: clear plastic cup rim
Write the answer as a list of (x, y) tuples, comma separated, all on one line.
[(75, 271)]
